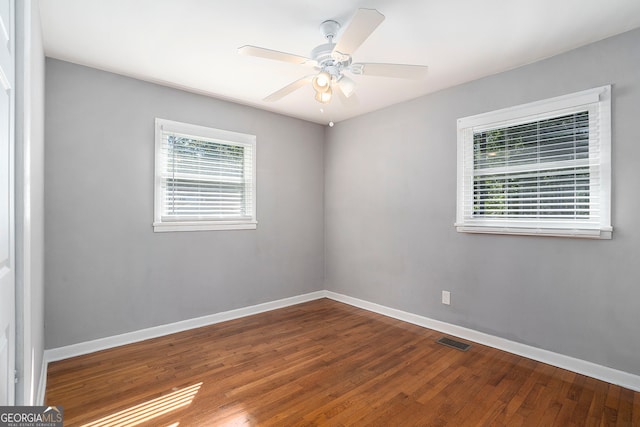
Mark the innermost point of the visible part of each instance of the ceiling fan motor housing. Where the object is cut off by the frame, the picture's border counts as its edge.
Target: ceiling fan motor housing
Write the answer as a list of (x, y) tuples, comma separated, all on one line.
[(324, 57), (322, 54)]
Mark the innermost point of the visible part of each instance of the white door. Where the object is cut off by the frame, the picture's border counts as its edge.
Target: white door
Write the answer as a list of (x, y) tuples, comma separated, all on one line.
[(7, 259)]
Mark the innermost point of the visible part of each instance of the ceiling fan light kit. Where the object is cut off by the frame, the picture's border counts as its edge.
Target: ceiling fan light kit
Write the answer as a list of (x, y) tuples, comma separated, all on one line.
[(324, 97), (347, 85), (332, 60), (322, 81)]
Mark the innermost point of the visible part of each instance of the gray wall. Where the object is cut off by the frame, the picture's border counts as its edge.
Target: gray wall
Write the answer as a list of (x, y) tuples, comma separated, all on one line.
[(390, 206), (29, 201), (107, 271)]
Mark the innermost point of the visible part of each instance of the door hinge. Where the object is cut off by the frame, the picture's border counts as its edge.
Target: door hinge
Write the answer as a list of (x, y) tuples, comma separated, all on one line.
[(15, 376)]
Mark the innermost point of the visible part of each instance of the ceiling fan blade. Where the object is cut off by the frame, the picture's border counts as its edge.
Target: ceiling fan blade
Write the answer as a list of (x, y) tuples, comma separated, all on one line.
[(401, 71), (364, 22), (292, 87), (272, 54)]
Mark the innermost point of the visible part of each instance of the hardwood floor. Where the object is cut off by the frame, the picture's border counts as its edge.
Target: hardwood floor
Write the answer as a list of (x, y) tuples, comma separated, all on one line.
[(325, 363)]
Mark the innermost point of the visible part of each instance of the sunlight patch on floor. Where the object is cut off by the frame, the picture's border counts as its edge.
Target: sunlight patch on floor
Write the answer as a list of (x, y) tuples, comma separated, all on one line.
[(146, 411)]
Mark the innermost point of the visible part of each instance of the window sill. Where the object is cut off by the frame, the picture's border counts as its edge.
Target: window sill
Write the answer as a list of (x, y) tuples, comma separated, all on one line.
[(603, 234), (160, 227)]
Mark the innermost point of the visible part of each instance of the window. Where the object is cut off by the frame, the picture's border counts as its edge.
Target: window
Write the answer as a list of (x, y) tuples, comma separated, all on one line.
[(205, 178), (542, 168)]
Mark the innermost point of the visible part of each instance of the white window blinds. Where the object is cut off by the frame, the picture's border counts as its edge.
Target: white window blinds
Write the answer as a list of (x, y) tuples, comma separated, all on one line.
[(205, 178), (541, 168)]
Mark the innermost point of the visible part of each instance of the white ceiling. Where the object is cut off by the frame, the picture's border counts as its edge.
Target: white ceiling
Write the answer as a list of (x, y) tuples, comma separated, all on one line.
[(192, 44)]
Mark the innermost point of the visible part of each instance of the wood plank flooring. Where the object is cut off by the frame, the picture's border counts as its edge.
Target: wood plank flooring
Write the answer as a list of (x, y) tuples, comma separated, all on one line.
[(325, 363)]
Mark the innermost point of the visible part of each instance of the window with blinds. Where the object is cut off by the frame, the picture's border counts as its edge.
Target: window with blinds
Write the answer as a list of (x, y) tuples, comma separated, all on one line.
[(540, 168), (205, 178)]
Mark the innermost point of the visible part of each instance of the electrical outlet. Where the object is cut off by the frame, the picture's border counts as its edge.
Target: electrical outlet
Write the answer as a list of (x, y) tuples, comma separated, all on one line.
[(446, 297)]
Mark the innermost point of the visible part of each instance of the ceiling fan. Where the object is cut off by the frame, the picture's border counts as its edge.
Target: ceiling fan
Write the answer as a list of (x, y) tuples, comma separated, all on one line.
[(332, 60)]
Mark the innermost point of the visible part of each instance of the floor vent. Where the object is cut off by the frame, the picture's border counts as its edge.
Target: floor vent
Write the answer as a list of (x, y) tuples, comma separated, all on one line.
[(454, 344)]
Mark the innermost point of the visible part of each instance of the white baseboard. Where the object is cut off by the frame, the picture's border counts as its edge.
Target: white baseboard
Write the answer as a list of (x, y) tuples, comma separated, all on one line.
[(79, 349), (590, 369), (579, 366)]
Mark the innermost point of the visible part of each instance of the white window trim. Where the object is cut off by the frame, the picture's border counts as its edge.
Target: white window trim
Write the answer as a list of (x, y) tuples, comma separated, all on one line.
[(235, 138), (526, 112)]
